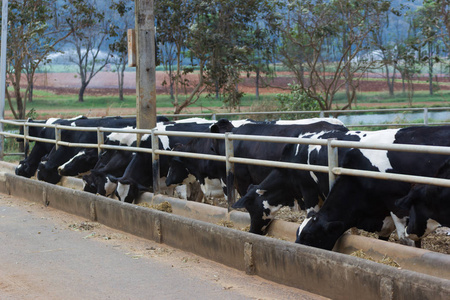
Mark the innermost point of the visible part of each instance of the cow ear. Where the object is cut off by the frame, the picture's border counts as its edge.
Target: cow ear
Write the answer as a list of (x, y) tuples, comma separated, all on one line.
[(334, 227), (215, 128)]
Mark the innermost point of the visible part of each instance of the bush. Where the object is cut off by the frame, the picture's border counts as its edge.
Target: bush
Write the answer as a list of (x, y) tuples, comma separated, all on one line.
[(297, 100)]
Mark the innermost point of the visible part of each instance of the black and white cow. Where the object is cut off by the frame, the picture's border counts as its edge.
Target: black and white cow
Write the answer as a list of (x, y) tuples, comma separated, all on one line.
[(138, 176), (86, 159), (29, 165), (48, 170), (369, 203), (246, 175), (283, 186), (428, 206), (203, 170), (110, 163)]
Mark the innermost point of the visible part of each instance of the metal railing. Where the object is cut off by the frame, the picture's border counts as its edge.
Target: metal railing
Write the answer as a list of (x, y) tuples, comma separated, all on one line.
[(332, 113), (230, 159)]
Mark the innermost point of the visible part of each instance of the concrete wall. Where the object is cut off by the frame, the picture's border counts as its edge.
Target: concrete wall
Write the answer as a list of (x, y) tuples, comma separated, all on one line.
[(326, 273)]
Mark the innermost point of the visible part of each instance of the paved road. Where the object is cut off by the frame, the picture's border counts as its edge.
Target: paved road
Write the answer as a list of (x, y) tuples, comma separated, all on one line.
[(48, 254)]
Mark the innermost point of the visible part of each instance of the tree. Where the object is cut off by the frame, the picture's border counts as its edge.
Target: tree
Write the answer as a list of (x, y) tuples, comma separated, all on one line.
[(90, 34), (119, 41), (32, 36), (212, 39), (173, 18), (430, 19), (325, 44)]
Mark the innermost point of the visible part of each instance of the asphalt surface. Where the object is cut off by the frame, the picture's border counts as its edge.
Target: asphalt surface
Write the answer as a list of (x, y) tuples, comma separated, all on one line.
[(48, 254)]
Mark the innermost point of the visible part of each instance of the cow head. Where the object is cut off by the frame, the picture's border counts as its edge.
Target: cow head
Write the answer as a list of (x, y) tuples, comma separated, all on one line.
[(260, 214), (89, 184), (127, 190), (24, 169), (80, 163), (317, 232), (177, 172), (47, 174), (419, 202)]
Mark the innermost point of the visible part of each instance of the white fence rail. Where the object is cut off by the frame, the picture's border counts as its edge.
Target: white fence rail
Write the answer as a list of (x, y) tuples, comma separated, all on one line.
[(230, 159)]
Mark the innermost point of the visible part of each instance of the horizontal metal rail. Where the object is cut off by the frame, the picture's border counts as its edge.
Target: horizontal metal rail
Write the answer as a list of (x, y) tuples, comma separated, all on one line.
[(335, 143), (393, 176)]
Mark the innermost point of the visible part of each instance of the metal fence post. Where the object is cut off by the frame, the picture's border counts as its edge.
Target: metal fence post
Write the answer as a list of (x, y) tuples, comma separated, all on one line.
[(333, 162), (57, 136), (213, 117), (100, 140), (229, 152), (155, 162), (425, 116), (321, 114), (26, 131)]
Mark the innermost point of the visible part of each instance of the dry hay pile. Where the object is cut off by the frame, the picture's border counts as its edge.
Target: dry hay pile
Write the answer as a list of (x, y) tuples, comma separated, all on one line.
[(386, 260), (163, 206)]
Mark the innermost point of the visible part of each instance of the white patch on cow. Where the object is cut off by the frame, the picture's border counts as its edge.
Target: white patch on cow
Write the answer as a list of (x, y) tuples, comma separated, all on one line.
[(432, 225), (309, 121), (84, 183), (379, 158), (313, 209), (61, 167), (76, 118), (51, 121), (271, 208), (237, 123), (109, 187), (222, 183), (19, 166), (122, 137), (163, 138), (194, 120), (300, 228), (260, 192), (314, 177), (122, 191), (203, 189)]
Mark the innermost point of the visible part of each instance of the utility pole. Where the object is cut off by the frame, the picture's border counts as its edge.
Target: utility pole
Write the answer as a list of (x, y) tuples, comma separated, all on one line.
[(3, 71), (145, 64)]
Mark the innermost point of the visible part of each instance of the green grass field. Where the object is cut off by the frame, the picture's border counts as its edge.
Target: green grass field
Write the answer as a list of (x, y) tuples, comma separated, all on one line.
[(44, 100)]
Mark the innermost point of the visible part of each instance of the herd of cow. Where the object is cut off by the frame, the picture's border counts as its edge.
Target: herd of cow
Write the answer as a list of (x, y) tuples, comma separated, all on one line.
[(370, 204)]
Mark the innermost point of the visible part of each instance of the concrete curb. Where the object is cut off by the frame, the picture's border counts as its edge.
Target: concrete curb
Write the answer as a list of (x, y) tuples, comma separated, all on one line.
[(326, 273)]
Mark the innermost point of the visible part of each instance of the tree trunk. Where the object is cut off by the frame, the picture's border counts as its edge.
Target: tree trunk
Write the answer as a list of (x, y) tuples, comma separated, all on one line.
[(430, 69), (389, 82), (257, 84), (171, 82), (120, 78), (81, 92), (217, 89)]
